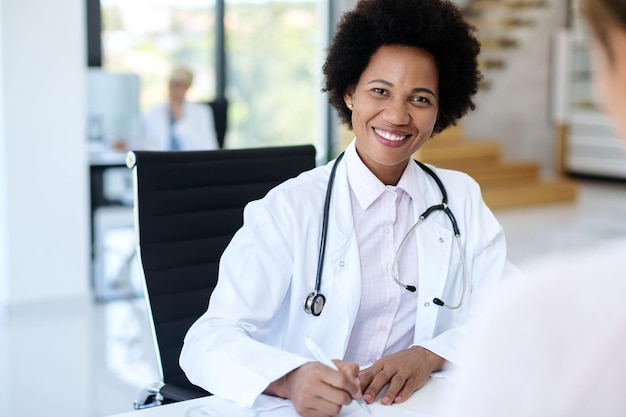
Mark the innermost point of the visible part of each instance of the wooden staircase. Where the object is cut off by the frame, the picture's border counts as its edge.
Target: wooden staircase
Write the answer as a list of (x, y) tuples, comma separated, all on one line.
[(498, 23), (504, 184)]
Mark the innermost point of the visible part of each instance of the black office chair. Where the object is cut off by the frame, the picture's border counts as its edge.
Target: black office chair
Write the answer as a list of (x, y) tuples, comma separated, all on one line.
[(187, 207)]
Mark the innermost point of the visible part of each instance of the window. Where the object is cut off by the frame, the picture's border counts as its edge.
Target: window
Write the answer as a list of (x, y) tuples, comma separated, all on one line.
[(150, 37), (274, 52)]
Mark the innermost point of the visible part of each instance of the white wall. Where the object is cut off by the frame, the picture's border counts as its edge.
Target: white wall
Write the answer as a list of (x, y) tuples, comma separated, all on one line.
[(516, 111), (44, 243), (4, 267)]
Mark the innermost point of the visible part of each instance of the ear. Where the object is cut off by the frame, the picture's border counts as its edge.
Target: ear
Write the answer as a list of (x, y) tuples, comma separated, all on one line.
[(348, 97)]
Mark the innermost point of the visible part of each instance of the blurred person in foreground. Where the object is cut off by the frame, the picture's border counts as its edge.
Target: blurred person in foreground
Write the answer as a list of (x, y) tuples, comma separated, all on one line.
[(397, 72), (555, 345), (179, 124)]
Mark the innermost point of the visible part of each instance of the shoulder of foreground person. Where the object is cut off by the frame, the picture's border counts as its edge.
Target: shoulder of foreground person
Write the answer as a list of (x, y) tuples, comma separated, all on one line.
[(551, 344)]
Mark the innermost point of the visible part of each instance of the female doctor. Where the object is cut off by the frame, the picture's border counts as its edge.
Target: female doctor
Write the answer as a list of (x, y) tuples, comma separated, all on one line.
[(392, 298)]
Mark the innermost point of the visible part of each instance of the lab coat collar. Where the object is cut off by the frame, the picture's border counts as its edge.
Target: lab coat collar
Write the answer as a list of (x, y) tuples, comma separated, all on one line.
[(367, 188)]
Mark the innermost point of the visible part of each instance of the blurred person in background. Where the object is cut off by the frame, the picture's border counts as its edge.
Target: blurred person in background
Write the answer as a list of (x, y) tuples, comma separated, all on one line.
[(554, 345), (179, 124)]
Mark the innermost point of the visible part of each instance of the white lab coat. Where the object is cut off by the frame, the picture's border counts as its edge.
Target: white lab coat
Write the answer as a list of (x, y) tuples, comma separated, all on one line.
[(253, 331), (194, 130)]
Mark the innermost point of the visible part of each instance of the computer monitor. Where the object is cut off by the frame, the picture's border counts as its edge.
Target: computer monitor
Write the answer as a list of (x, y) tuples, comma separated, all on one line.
[(112, 107)]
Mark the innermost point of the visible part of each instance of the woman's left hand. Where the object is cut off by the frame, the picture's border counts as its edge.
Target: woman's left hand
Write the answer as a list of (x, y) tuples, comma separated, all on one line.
[(405, 372)]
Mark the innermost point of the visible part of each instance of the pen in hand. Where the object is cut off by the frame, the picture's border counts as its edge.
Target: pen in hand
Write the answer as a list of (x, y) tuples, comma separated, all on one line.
[(321, 357)]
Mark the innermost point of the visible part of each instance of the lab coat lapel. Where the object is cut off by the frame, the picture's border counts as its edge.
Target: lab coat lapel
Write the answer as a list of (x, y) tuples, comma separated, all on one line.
[(344, 254)]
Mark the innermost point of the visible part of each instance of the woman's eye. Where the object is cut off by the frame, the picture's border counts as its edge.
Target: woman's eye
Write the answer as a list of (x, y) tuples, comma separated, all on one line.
[(421, 100), (378, 90)]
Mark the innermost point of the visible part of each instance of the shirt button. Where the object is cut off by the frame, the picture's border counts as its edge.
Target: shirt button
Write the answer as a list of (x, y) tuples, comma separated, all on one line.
[(387, 230), (393, 301), (426, 304), (341, 263), (383, 328)]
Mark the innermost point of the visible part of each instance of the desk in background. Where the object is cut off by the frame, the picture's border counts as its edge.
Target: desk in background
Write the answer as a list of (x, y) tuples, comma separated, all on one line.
[(111, 219), (427, 402)]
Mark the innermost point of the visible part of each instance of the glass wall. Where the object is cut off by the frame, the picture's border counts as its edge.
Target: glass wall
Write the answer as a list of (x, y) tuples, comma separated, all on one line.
[(274, 52), (150, 37), (268, 67), (273, 71)]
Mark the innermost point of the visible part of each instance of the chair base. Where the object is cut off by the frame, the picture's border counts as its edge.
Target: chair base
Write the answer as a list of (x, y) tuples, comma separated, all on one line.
[(159, 393), (149, 397)]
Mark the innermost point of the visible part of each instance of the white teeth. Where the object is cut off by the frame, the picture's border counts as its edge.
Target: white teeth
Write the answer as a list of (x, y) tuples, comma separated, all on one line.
[(390, 136)]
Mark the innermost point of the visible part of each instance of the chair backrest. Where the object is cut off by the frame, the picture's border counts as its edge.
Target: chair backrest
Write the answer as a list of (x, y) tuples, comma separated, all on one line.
[(188, 205)]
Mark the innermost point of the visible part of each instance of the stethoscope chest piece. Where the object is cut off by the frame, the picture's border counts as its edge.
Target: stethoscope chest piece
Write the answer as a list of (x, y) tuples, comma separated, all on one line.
[(314, 303)]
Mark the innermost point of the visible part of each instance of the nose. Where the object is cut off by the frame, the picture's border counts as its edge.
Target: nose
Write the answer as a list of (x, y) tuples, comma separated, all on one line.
[(397, 112)]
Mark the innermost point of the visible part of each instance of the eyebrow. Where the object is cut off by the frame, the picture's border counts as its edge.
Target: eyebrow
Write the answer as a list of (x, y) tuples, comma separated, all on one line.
[(415, 90)]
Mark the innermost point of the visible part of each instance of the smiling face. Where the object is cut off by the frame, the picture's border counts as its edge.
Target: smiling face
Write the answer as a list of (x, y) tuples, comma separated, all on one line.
[(394, 108)]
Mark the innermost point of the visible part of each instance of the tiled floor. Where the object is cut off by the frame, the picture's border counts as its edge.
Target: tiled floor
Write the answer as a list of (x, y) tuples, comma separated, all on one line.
[(80, 358)]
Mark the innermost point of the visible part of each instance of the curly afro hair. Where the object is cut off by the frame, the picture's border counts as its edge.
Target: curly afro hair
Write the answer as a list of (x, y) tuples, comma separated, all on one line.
[(436, 26)]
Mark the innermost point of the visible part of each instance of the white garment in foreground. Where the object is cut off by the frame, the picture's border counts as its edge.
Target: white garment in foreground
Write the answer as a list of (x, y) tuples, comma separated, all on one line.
[(554, 346)]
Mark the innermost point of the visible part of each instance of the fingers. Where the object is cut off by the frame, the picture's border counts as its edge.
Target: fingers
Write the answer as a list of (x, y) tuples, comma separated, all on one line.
[(374, 380), (316, 406), (400, 388), (402, 373), (351, 370), (318, 390)]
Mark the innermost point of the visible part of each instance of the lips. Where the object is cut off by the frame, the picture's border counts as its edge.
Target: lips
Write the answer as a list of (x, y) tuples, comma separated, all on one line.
[(390, 136)]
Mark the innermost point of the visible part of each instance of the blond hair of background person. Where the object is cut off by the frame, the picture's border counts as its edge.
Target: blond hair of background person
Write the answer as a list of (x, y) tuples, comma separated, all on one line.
[(556, 345), (179, 124)]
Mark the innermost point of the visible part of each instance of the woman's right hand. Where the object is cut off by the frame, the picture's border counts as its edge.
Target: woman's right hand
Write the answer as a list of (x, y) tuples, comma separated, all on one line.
[(317, 390)]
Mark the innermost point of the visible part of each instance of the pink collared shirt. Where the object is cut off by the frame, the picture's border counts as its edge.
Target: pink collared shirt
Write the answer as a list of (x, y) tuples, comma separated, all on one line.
[(383, 214)]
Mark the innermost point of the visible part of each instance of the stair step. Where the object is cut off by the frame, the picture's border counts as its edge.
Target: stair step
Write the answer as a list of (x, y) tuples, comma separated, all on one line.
[(497, 42), (531, 193), (452, 132), (500, 23), (490, 63), (497, 172), (439, 151), (481, 5)]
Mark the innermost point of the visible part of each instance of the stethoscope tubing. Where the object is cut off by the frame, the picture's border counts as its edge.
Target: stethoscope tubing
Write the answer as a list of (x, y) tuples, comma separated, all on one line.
[(314, 297), (322, 252)]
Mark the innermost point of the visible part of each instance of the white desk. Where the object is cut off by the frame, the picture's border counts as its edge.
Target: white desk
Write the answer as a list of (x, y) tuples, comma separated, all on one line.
[(428, 401)]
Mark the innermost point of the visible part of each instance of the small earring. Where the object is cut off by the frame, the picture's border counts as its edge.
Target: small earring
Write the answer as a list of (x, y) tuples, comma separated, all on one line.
[(350, 106)]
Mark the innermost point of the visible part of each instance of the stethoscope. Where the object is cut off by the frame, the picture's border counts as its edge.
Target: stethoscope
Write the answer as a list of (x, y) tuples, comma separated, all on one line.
[(314, 303)]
